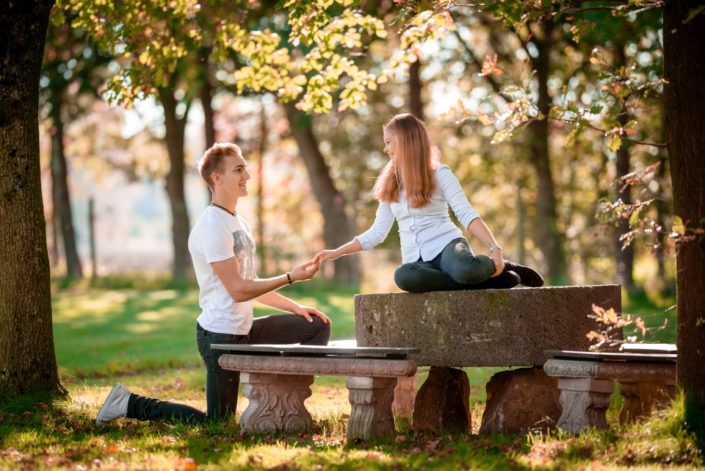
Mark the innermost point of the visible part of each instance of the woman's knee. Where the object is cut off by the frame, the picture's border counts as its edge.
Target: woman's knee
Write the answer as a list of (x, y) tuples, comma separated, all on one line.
[(408, 277), (471, 272)]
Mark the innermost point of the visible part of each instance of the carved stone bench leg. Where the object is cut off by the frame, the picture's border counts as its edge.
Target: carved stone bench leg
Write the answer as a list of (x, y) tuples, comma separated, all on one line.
[(641, 397), (404, 396), (584, 402), (276, 403), (371, 406)]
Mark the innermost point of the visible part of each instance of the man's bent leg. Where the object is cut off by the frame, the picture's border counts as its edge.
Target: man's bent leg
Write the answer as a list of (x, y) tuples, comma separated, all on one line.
[(221, 385), (289, 328), (147, 408)]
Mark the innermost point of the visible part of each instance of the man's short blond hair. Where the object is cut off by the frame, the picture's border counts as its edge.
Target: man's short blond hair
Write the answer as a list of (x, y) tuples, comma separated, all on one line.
[(212, 160)]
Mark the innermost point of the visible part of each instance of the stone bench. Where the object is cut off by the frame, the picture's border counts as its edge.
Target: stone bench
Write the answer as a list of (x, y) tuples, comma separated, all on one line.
[(499, 328), (277, 378), (586, 381)]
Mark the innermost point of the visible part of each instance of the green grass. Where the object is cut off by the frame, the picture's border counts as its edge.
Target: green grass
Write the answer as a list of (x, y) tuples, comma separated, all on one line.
[(105, 332), (141, 332)]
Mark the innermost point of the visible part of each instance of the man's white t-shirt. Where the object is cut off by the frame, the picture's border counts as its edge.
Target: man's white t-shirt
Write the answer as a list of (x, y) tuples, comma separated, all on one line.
[(217, 236)]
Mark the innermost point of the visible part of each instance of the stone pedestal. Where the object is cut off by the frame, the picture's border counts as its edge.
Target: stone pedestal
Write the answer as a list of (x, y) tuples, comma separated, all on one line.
[(585, 402), (442, 403), (276, 403), (404, 396), (641, 397), (521, 400), (370, 406)]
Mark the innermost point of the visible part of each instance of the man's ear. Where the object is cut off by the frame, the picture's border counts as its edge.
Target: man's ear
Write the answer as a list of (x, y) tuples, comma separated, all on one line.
[(215, 178)]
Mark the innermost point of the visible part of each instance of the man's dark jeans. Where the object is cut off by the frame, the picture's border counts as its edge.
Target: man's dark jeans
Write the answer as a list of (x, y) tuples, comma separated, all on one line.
[(222, 385)]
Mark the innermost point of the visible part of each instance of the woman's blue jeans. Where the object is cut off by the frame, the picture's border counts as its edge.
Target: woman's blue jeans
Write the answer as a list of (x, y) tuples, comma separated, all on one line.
[(455, 268)]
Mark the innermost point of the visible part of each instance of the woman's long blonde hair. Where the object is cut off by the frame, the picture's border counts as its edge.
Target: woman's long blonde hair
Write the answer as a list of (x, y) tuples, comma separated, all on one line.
[(413, 164)]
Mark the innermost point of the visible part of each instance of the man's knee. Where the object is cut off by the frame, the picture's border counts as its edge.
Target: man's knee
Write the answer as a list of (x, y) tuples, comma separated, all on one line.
[(408, 278), (321, 331)]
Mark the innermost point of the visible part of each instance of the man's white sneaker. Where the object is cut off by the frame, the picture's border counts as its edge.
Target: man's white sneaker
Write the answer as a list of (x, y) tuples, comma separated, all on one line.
[(115, 405)]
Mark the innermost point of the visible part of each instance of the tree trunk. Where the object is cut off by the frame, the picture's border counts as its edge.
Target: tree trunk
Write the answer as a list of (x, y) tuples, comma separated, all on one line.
[(27, 358), (661, 211), (175, 128), (684, 69), (549, 239), (415, 100), (337, 227), (521, 223), (60, 189), (263, 134), (624, 257)]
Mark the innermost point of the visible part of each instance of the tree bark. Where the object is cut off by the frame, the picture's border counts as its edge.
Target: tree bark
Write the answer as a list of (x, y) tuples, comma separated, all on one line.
[(180, 227), (415, 100), (684, 69), (624, 257), (337, 227), (549, 238), (263, 134), (661, 211), (27, 358), (60, 189)]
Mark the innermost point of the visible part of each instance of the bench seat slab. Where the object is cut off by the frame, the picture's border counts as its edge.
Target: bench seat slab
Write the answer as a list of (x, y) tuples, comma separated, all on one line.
[(318, 366)]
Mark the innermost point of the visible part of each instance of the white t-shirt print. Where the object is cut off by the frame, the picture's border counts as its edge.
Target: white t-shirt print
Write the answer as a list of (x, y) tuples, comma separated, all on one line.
[(218, 236)]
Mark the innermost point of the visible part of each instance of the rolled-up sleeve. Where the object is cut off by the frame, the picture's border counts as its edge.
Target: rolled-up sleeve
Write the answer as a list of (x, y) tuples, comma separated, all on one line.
[(384, 219), (454, 195)]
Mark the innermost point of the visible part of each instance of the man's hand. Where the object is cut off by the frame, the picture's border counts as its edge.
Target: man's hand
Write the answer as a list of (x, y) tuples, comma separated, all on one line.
[(305, 271), (306, 312), (324, 255)]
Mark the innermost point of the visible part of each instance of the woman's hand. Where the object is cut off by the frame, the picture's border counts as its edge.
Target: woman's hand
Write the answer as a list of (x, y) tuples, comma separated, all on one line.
[(498, 259), (324, 255), (306, 312)]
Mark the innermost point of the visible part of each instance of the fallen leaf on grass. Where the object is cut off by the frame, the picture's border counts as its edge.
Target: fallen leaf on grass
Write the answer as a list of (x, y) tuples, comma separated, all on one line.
[(185, 464), (111, 448)]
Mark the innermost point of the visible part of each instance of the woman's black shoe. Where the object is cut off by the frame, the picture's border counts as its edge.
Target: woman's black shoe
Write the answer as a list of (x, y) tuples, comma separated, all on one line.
[(529, 276)]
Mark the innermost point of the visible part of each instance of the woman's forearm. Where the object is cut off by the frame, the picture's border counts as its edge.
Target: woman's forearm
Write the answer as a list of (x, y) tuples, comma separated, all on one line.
[(479, 229)]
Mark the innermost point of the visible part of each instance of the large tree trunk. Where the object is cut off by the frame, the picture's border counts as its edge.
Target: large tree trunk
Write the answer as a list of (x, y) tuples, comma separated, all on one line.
[(415, 100), (60, 189), (175, 128), (263, 134), (27, 358), (684, 69), (549, 239), (337, 227), (661, 211), (623, 256)]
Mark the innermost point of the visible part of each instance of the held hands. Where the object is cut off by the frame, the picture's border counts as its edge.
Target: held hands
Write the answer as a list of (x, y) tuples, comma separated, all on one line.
[(324, 255), (305, 271)]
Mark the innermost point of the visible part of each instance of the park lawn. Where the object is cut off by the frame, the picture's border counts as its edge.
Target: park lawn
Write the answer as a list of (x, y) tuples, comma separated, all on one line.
[(143, 337)]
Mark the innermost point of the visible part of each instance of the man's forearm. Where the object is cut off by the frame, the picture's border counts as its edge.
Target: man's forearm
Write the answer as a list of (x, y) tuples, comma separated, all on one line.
[(277, 301), (250, 289)]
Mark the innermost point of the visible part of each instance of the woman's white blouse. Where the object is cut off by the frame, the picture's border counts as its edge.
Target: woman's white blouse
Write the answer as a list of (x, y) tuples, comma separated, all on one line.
[(425, 231)]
